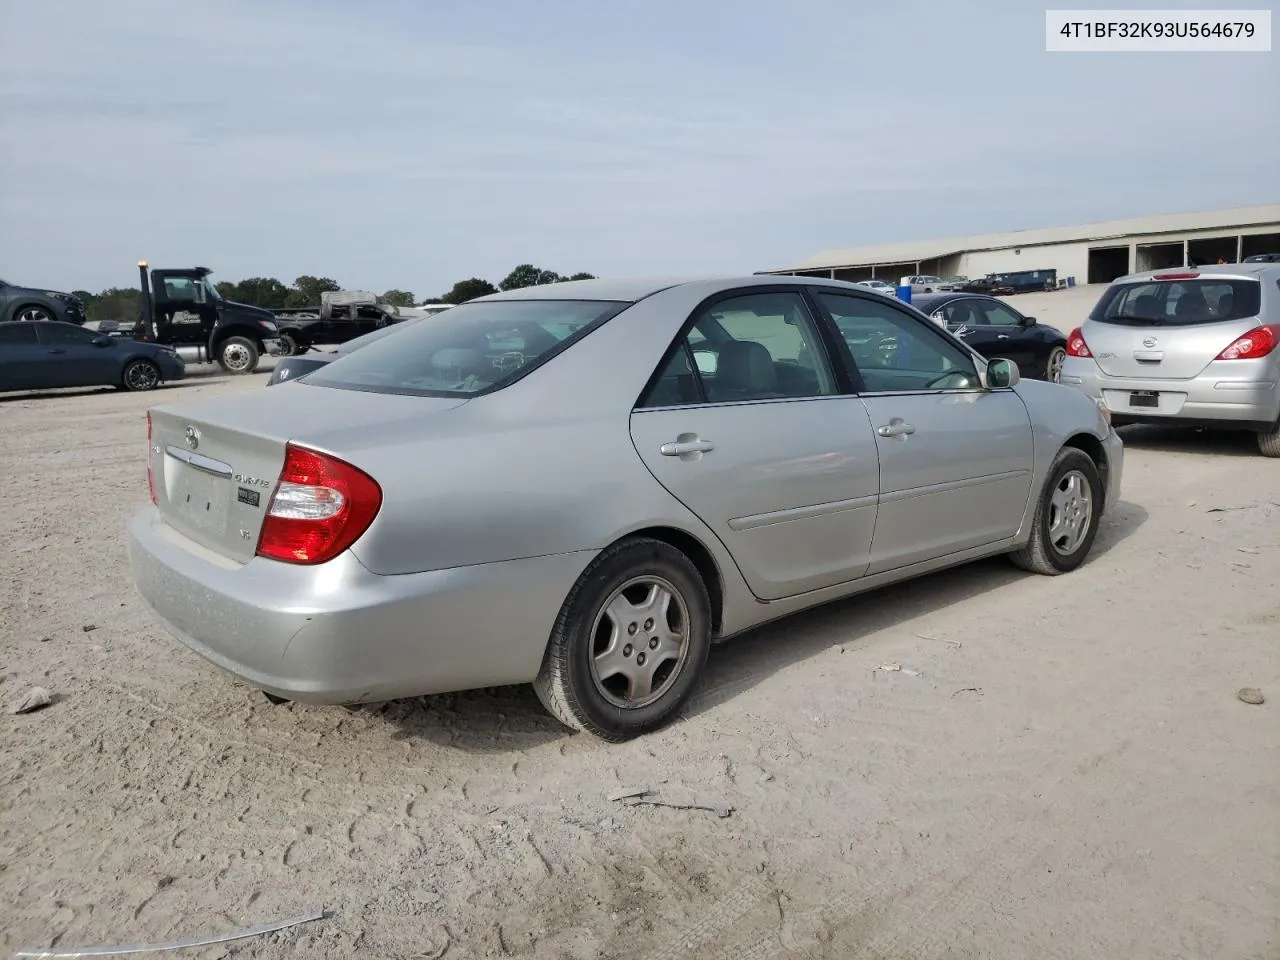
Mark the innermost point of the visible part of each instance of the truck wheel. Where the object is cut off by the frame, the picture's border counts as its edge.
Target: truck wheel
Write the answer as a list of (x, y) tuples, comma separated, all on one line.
[(289, 346), (238, 355)]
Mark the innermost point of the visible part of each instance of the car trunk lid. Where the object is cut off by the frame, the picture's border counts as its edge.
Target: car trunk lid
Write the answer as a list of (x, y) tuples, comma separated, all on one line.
[(1170, 326), (216, 462)]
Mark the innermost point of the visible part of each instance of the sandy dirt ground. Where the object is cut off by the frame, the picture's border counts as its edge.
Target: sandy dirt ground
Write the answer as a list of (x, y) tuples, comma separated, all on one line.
[(1061, 768)]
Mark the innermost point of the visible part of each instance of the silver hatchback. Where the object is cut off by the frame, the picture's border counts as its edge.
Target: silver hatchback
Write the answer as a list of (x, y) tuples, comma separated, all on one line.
[(1191, 347)]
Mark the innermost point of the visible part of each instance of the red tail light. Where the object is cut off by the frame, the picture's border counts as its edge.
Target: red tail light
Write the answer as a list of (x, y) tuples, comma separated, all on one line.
[(1076, 347), (1254, 345), (320, 507), (151, 473), (1175, 276)]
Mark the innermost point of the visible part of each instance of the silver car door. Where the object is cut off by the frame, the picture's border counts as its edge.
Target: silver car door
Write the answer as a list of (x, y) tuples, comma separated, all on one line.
[(749, 427), (955, 459)]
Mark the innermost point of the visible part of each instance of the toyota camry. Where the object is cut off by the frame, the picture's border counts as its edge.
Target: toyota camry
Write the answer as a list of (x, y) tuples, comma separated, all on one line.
[(583, 485)]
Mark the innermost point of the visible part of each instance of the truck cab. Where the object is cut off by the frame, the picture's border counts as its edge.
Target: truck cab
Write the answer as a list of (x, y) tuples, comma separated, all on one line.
[(183, 309)]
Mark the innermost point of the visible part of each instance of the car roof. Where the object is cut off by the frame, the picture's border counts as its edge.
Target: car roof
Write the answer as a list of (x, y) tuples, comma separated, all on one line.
[(1239, 271), (633, 289)]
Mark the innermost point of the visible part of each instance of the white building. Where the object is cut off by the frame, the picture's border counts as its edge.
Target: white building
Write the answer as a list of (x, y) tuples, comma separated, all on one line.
[(1092, 253)]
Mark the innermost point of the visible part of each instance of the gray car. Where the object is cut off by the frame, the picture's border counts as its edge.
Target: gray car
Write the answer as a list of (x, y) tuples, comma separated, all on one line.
[(582, 485), (1195, 347)]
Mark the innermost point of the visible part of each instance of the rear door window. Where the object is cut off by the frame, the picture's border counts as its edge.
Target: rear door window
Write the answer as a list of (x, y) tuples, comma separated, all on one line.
[(17, 334), (1176, 303)]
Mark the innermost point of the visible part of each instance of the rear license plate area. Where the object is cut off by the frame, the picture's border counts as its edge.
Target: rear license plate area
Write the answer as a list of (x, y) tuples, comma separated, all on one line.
[(198, 498), (1144, 398)]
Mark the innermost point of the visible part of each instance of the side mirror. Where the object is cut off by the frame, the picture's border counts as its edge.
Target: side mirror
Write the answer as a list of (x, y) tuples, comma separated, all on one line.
[(1001, 374), (1028, 321)]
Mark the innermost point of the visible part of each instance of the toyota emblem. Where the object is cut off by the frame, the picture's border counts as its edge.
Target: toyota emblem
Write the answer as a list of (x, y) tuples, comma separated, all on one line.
[(193, 438), (1149, 342)]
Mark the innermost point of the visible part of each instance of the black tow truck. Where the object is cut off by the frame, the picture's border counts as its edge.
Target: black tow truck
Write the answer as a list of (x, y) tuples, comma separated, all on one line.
[(184, 310), (342, 315)]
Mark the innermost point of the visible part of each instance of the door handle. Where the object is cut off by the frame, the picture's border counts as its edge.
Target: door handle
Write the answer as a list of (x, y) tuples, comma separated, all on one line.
[(1002, 336), (57, 350), (896, 428), (684, 447)]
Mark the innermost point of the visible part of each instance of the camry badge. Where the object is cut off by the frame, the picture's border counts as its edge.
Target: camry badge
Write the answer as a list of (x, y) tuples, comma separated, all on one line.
[(193, 438)]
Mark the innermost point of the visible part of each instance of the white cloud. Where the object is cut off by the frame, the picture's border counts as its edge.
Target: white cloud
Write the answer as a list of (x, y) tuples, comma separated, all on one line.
[(410, 145)]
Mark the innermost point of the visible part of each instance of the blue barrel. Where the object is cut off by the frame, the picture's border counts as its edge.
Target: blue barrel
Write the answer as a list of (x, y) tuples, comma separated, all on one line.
[(904, 293)]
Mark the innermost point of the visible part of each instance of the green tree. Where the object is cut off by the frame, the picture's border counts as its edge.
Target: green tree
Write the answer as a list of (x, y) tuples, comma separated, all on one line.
[(582, 276), (123, 304), (307, 289), (465, 290), (258, 291), (527, 275), (397, 298)]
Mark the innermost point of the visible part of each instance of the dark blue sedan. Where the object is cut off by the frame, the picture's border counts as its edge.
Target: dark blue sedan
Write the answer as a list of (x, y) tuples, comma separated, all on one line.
[(47, 354)]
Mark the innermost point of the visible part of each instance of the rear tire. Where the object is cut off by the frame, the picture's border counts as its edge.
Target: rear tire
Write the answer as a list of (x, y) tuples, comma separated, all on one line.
[(1269, 442), (1066, 518), (238, 355), (630, 643), (1053, 366), (140, 375)]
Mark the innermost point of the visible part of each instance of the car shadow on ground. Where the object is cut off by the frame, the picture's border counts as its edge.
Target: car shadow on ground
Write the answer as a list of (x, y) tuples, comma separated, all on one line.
[(1222, 443), (512, 718), (742, 662)]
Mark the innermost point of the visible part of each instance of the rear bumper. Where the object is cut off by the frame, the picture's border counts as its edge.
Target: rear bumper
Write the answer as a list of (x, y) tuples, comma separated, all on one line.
[(338, 633), (1246, 403)]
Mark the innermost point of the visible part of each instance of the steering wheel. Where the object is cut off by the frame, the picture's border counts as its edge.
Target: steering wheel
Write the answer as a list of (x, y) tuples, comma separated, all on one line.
[(959, 376)]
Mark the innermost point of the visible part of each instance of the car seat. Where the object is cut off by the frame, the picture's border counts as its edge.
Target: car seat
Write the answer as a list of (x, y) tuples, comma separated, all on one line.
[(745, 370)]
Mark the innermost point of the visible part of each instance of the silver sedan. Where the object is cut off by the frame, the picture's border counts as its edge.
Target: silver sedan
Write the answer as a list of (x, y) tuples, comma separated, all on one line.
[(583, 485)]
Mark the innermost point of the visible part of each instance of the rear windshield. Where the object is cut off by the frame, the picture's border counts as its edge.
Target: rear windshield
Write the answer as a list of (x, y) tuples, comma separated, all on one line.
[(1178, 303), (468, 350)]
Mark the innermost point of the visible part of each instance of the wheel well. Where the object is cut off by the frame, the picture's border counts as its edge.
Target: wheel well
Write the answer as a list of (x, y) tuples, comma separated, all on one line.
[(23, 306), (701, 558), (242, 332), (1092, 447)]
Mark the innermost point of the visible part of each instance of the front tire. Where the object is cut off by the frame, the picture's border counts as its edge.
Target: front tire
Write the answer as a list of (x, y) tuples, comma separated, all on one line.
[(1066, 518), (290, 346), (33, 314), (630, 643), (238, 355), (141, 375)]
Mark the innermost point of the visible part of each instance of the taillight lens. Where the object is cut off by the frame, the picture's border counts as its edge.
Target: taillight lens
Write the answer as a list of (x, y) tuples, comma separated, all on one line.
[(321, 506), (1254, 345), (1076, 347), (151, 473)]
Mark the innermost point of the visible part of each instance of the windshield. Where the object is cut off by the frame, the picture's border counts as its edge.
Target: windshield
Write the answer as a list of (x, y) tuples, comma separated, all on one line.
[(1178, 303), (468, 350), (210, 290)]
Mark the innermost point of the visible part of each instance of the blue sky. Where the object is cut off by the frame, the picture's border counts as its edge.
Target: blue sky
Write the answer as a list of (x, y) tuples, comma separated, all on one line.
[(406, 144)]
